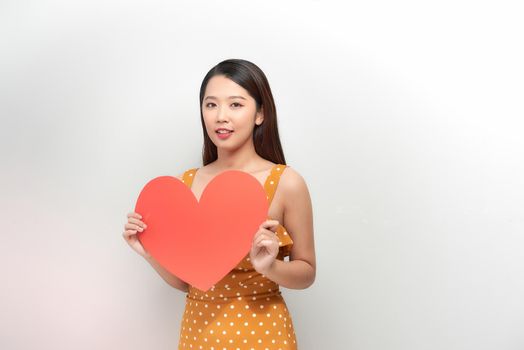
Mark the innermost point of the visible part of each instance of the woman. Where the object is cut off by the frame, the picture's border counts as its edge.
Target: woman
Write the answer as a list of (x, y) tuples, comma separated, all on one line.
[(245, 310)]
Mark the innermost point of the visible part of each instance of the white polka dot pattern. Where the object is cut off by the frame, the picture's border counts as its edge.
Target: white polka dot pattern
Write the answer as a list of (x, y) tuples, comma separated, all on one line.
[(244, 310)]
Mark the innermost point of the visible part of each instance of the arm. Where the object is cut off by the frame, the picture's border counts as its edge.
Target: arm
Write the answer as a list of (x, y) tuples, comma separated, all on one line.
[(300, 271)]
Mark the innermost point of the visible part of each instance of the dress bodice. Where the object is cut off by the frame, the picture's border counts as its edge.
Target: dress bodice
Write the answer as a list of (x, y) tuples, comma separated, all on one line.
[(243, 279)]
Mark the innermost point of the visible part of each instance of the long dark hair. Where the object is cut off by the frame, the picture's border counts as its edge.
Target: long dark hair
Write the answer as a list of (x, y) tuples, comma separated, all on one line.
[(265, 136)]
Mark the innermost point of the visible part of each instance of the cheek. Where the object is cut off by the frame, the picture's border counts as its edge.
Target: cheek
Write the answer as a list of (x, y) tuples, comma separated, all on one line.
[(208, 121), (206, 115), (246, 121)]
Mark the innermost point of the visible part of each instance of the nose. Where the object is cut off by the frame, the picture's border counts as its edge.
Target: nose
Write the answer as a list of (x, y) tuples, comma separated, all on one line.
[(222, 115)]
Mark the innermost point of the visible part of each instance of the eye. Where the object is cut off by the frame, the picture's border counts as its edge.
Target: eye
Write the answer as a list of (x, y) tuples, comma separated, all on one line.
[(234, 104)]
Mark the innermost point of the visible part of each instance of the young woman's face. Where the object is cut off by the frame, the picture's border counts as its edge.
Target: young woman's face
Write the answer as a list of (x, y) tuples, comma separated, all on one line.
[(228, 105)]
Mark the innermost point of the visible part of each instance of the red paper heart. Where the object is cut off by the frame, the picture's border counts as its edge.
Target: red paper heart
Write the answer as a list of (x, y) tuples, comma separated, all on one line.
[(200, 242)]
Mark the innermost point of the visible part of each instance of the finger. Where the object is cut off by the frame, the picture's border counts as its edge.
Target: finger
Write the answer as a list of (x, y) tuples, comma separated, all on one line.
[(129, 233), (134, 215), (267, 229), (258, 239), (264, 231), (257, 234), (268, 234), (269, 224), (138, 222), (133, 227), (265, 237), (266, 243)]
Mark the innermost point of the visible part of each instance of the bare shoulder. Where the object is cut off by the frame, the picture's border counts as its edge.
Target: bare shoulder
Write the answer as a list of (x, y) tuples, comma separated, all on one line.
[(293, 183), (298, 209)]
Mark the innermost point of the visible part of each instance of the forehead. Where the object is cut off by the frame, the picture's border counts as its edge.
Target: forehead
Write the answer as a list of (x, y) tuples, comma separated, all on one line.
[(222, 87)]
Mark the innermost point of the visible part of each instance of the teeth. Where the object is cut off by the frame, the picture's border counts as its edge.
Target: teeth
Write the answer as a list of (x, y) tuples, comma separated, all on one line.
[(223, 131)]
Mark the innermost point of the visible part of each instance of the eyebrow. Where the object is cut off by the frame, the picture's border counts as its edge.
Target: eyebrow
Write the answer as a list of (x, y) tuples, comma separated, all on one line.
[(213, 97)]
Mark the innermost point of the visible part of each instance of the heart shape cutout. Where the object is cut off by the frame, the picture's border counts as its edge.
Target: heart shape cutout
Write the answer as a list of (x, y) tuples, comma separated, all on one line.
[(201, 241)]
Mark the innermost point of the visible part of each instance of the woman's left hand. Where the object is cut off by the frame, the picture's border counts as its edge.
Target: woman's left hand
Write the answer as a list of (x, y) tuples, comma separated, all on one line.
[(264, 248)]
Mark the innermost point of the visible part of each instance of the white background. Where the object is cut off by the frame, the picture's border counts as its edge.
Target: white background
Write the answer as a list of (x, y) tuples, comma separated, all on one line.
[(405, 118)]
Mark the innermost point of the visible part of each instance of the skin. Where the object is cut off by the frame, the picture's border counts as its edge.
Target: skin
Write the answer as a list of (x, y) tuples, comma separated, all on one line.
[(291, 204)]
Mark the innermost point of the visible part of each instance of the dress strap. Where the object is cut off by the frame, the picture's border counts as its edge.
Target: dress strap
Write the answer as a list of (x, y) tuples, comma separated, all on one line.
[(270, 185), (188, 176), (272, 181)]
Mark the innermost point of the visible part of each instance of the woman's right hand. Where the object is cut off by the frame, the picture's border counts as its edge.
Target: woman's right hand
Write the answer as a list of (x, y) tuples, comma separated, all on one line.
[(131, 228)]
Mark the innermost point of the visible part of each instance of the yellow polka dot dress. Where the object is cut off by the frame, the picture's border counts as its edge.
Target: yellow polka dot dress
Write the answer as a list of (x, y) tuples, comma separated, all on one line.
[(244, 310)]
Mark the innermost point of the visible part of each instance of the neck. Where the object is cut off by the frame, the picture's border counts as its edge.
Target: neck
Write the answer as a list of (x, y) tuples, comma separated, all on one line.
[(243, 158)]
